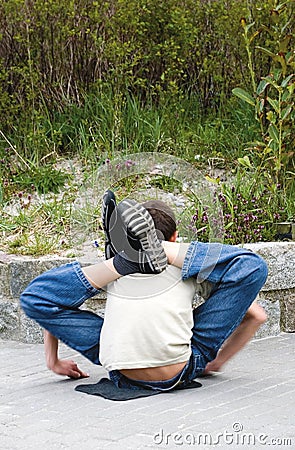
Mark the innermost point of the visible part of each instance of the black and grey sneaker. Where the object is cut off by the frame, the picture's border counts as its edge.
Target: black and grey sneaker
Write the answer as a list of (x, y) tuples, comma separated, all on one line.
[(144, 249), (109, 219)]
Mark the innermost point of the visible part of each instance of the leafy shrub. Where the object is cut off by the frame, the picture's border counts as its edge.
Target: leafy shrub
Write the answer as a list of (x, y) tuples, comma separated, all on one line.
[(273, 97), (52, 52)]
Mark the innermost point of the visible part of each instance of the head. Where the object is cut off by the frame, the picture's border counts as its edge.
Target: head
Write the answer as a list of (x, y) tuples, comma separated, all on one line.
[(164, 219)]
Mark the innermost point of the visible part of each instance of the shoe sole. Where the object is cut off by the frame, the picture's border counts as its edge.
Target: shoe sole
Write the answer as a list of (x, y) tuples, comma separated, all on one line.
[(108, 208), (108, 200), (140, 223)]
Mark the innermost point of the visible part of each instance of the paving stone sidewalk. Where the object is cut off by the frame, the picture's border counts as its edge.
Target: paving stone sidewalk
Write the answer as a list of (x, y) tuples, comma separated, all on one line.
[(250, 405)]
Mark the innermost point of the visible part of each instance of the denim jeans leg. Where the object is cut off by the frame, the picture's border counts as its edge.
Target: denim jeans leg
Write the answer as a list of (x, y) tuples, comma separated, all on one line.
[(237, 276), (53, 300)]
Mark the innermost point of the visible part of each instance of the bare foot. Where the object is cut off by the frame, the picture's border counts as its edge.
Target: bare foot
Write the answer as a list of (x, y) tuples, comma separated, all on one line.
[(212, 367)]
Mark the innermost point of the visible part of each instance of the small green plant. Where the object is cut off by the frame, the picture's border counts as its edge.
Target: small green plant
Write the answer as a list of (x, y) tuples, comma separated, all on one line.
[(45, 179), (17, 174), (165, 183)]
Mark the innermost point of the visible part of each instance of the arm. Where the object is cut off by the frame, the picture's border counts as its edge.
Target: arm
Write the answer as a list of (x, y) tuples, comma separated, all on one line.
[(59, 366), (254, 318)]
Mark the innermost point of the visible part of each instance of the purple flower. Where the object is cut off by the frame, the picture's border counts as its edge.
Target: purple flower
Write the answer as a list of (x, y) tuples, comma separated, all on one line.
[(204, 218), (129, 163), (222, 198)]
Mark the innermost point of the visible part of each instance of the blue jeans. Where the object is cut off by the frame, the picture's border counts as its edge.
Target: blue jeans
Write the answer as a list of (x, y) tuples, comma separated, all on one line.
[(235, 275)]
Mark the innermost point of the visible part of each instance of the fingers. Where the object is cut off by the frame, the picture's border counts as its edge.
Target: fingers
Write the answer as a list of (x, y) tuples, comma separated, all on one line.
[(68, 368), (75, 372)]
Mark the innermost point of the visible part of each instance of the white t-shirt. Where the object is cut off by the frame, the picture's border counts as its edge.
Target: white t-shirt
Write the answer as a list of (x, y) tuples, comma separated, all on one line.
[(148, 321)]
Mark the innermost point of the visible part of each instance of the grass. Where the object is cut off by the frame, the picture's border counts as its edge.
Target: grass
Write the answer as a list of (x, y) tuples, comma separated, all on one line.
[(49, 207), (105, 124)]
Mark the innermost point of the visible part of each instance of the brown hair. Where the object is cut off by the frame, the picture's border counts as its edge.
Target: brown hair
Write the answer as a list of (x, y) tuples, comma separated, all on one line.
[(163, 217)]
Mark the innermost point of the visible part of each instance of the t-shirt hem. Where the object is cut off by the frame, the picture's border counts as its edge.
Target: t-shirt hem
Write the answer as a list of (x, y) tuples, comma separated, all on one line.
[(146, 364)]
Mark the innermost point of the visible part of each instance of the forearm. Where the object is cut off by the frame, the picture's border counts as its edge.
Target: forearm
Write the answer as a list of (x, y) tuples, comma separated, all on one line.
[(100, 274), (51, 349), (65, 367)]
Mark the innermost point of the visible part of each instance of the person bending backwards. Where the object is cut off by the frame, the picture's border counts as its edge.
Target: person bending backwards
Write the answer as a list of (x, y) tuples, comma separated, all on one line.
[(151, 336)]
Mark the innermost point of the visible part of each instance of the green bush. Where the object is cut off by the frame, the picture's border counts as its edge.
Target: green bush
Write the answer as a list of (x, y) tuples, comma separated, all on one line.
[(53, 52), (272, 98)]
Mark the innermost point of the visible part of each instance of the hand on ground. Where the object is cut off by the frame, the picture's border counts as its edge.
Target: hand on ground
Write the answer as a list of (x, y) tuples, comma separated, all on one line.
[(68, 368)]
